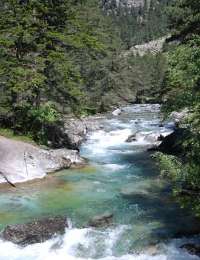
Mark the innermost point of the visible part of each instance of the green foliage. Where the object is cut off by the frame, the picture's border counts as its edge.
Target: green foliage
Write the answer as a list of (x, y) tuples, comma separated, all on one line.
[(138, 24), (170, 167), (9, 133), (64, 57), (49, 53), (183, 76), (148, 74), (181, 90), (184, 16), (184, 180), (46, 114)]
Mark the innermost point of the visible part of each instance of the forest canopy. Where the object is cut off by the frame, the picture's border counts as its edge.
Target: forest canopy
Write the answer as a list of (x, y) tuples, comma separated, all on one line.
[(63, 56), (47, 50)]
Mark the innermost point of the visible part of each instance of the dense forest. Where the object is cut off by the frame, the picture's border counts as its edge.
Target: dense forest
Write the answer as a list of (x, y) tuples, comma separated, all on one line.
[(140, 22), (52, 53), (181, 92), (63, 56)]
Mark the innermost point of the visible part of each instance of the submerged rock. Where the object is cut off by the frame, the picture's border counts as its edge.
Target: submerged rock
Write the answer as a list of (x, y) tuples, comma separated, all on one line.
[(132, 192), (35, 232), (22, 161), (101, 220), (153, 137), (131, 138), (152, 250)]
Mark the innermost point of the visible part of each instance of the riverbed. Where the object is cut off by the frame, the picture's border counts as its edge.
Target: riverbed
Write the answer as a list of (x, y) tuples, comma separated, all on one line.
[(121, 179)]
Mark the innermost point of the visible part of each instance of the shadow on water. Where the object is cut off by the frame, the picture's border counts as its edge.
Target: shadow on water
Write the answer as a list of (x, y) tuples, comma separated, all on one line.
[(158, 206)]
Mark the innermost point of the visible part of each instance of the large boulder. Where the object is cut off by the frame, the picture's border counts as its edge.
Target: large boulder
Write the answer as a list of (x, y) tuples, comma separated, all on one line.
[(22, 161), (35, 232), (76, 129), (179, 117), (171, 144), (94, 123), (153, 138)]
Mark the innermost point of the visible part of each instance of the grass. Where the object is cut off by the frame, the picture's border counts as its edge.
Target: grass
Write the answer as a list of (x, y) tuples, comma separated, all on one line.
[(9, 133)]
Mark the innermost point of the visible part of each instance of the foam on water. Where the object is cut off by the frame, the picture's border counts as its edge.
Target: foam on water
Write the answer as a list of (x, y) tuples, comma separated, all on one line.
[(81, 244), (101, 141), (110, 243), (105, 143)]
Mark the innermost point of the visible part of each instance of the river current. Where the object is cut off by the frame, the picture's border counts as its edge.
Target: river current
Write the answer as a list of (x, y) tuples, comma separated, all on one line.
[(121, 179)]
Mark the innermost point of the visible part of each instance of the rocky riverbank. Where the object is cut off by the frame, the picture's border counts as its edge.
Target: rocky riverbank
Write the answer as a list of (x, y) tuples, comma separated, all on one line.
[(99, 200), (22, 161), (43, 229)]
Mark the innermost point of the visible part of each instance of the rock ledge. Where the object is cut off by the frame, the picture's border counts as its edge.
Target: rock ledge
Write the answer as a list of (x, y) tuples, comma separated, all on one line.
[(22, 161)]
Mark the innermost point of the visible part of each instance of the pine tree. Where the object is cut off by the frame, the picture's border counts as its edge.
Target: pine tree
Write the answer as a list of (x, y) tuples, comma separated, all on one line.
[(42, 46), (184, 19)]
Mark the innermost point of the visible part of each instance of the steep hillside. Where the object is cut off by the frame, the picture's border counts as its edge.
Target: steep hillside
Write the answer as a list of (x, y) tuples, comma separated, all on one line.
[(138, 21), (139, 24)]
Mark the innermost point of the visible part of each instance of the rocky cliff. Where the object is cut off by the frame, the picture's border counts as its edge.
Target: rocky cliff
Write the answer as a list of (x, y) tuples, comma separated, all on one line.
[(124, 3), (152, 47)]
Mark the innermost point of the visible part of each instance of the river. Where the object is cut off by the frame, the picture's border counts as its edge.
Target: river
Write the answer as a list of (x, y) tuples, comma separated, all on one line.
[(121, 179)]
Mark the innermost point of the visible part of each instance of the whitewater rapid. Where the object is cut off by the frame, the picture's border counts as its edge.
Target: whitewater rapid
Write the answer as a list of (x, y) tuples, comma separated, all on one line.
[(66, 248), (118, 170)]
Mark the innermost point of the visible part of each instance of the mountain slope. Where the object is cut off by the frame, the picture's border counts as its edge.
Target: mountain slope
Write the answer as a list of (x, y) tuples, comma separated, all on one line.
[(138, 21)]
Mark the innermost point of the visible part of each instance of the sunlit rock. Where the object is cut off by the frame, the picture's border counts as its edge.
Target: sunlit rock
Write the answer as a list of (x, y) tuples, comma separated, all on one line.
[(116, 112), (22, 161)]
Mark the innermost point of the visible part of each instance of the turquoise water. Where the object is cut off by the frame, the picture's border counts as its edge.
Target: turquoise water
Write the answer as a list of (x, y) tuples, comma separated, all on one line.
[(122, 179)]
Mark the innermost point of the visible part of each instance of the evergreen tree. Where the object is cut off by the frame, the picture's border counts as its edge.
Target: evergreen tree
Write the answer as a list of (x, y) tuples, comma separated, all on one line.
[(41, 42), (185, 19), (182, 90)]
